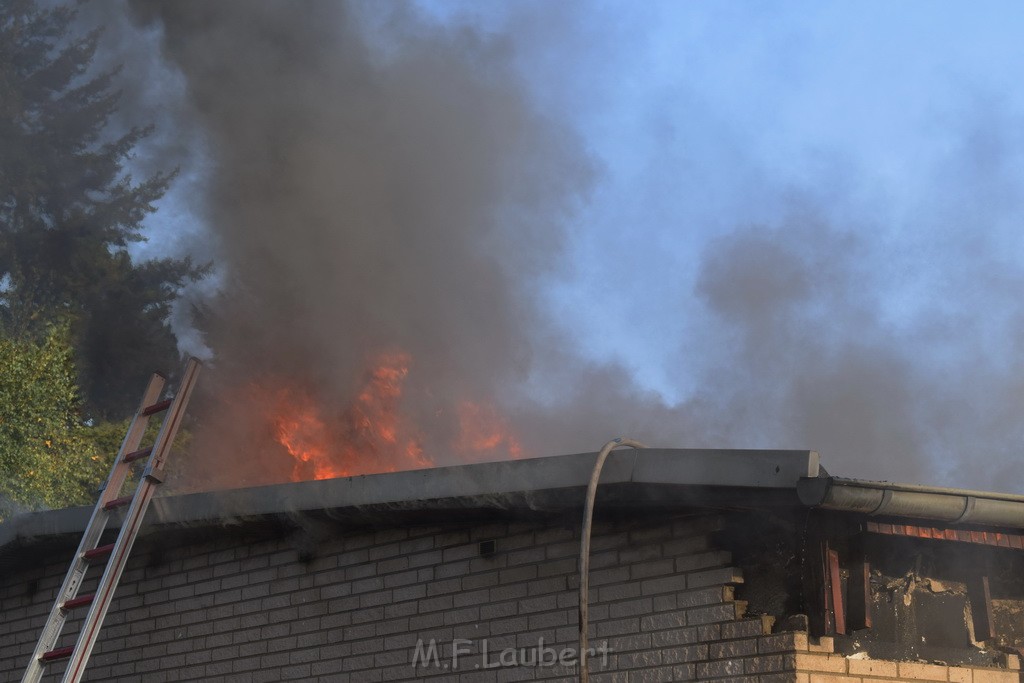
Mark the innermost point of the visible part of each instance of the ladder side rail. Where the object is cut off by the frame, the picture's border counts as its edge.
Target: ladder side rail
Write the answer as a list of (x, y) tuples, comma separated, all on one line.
[(129, 530), (91, 536), (108, 584), (172, 421), (132, 440)]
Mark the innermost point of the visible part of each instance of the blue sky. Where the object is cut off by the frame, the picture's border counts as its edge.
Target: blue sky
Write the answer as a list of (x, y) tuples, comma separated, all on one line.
[(706, 116)]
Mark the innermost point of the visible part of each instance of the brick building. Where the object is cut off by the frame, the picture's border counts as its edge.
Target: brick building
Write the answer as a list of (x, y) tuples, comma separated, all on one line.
[(706, 565)]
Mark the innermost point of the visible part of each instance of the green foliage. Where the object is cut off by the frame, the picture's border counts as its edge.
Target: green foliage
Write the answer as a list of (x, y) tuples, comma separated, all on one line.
[(68, 209), (47, 456)]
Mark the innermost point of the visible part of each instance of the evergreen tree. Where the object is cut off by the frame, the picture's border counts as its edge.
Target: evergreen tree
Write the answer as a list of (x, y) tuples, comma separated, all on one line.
[(69, 209)]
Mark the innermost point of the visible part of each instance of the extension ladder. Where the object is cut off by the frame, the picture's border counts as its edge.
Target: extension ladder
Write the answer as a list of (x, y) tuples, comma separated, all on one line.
[(115, 554)]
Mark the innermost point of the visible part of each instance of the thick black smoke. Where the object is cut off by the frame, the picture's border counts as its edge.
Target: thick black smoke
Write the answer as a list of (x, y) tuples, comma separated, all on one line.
[(377, 184)]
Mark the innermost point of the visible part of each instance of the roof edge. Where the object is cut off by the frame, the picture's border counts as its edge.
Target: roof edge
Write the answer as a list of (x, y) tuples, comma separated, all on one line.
[(494, 484)]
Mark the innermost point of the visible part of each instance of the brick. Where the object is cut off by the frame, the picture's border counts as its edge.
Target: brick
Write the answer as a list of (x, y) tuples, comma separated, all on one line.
[(512, 575), (710, 577), (764, 664), (726, 668), (703, 596), (558, 567), (445, 586), (820, 662), (873, 667), (425, 559), (960, 675), (366, 585), (462, 616), (438, 603), (712, 614), (651, 569), (675, 636), (618, 591), (475, 581), (782, 642), (451, 538), (823, 644), (995, 676), (667, 584), (688, 653), (539, 604), (554, 535), (685, 546), (467, 598), (460, 553), (664, 620), (629, 608), (640, 554), (684, 672), (742, 629), (568, 549), (618, 627), (732, 648), (923, 672)]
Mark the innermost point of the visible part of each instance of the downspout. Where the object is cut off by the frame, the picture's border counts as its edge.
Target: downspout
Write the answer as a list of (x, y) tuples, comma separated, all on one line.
[(588, 517)]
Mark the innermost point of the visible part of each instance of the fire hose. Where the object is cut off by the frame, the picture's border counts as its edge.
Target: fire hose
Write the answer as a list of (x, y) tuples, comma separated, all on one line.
[(588, 518)]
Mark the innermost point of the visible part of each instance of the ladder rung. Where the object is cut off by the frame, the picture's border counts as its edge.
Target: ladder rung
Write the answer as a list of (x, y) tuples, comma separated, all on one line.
[(157, 407), (79, 601), (138, 455), (59, 653), (97, 553), (117, 503)]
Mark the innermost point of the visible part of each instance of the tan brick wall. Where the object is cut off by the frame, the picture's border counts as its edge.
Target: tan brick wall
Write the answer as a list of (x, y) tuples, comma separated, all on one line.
[(820, 665)]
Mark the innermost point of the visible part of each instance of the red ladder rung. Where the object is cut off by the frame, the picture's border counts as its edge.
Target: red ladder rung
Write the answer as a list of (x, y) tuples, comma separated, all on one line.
[(79, 601), (157, 407), (98, 552), (117, 503), (138, 455), (59, 653)]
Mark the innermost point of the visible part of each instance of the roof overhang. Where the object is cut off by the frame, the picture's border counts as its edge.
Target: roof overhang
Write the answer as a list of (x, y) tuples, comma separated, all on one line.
[(648, 477)]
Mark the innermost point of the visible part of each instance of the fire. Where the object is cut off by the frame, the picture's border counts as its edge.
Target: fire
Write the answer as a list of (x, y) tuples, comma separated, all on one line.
[(368, 436), (371, 434), (482, 429), (304, 435)]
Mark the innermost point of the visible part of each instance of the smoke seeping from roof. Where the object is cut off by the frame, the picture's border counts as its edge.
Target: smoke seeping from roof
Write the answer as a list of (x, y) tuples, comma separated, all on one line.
[(378, 182)]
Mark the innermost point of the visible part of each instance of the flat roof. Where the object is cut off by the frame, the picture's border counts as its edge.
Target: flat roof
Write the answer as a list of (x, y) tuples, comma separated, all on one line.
[(651, 476)]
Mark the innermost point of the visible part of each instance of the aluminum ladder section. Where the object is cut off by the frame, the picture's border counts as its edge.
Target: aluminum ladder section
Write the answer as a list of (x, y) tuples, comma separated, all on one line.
[(115, 554)]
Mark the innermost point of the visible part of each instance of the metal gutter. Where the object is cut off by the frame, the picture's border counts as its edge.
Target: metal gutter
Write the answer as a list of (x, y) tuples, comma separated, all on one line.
[(536, 483), (875, 498)]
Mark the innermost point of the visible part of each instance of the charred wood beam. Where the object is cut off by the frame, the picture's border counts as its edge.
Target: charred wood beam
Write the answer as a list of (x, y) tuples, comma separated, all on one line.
[(817, 588), (835, 590), (858, 612), (981, 607)]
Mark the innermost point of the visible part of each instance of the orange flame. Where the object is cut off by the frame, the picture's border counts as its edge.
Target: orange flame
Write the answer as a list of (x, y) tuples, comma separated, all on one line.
[(481, 429), (371, 435), (304, 434)]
